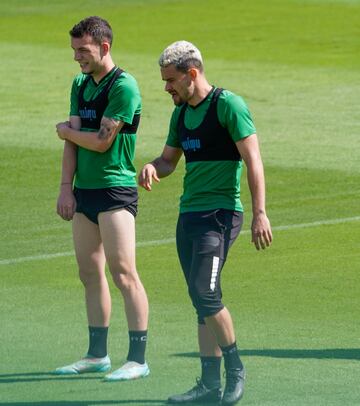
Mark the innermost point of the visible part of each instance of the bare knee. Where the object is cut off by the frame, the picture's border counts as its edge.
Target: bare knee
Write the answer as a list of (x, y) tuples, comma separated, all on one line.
[(125, 278), (90, 277)]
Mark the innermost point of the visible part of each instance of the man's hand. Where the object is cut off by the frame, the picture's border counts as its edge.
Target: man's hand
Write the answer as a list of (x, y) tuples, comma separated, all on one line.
[(147, 174), (61, 129), (261, 231), (66, 203)]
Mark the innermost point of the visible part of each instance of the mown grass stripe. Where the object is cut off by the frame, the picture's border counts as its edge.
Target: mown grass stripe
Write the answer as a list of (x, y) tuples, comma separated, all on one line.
[(150, 243)]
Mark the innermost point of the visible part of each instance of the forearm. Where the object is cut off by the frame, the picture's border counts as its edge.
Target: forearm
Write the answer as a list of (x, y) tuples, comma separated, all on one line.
[(261, 234), (256, 181), (163, 167), (160, 167), (66, 203), (98, 141), (86, 139), (69, 163)]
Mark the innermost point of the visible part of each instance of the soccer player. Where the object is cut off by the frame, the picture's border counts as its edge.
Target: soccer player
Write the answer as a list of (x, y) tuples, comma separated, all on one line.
[(98, 193), (213, 128)]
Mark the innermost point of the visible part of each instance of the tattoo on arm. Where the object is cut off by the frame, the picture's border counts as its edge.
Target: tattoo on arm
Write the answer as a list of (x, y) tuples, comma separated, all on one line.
[(105, 131), (108, 128)]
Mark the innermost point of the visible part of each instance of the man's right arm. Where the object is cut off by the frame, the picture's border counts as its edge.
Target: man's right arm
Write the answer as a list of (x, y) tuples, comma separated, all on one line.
[(160, 167), (66, 203)]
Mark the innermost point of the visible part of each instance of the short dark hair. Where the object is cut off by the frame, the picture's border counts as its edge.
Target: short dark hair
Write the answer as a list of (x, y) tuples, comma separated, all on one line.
[(98, 28)]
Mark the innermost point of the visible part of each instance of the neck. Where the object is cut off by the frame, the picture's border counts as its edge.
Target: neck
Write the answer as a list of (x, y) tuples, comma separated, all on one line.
[(103, 71), (201, 90)]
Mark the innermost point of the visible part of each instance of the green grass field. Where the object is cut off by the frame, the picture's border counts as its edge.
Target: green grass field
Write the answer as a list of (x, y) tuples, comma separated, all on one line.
[(295, 306)]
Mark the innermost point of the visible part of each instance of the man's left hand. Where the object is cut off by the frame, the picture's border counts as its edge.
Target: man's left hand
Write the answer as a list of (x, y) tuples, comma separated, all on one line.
[(62, 129), (261, 231)]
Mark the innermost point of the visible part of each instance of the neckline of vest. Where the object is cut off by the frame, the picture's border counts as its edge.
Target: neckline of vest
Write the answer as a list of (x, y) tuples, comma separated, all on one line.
[(105, 77), (204, 99)]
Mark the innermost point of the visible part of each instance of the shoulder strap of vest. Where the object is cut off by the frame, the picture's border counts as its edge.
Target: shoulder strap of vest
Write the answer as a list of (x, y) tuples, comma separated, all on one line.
[(182, 114), (117, 73), (216, 94), (82, 87), (213, 101)]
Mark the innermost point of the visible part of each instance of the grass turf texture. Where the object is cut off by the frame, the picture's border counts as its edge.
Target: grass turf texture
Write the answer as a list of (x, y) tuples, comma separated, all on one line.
[(295, 306)]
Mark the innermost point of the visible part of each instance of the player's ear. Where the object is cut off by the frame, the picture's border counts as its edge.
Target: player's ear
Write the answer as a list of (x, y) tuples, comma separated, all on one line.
[(105, 48), (193, 72)]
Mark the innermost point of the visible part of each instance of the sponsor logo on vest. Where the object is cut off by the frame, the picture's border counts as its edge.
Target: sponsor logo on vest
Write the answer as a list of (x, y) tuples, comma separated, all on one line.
[(88, 114), (193, 144)]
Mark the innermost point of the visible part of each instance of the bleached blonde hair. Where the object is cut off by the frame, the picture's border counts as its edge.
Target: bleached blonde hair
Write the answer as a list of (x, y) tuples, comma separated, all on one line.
[(183, 55)]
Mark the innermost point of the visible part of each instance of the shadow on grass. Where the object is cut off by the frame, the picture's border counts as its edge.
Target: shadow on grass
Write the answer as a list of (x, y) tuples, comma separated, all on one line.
[(46, 376), (329, 353), (41, 376), (86, 402)]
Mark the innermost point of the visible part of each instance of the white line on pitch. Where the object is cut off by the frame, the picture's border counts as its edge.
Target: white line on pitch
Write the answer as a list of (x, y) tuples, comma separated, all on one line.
[(171, 240)]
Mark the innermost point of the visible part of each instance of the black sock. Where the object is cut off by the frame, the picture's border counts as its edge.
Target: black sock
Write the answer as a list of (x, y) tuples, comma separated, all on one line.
[(137, 345), (98, 341), (231, 357), (210, 372)]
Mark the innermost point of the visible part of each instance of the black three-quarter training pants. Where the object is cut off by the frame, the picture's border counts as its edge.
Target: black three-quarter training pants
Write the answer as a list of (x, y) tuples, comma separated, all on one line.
[(203, 240)]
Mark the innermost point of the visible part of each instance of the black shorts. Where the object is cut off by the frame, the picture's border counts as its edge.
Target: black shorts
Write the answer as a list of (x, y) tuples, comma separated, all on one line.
[(91, 202), (203, 241)]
